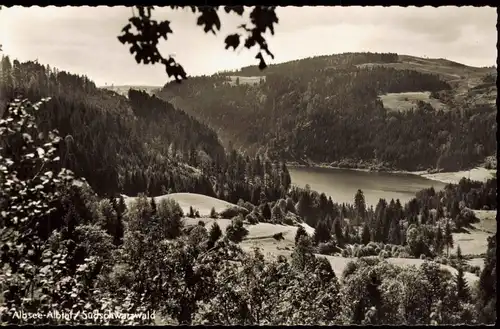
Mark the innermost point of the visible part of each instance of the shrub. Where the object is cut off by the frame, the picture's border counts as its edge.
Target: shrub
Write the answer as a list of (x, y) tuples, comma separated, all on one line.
[(191, 212), (248, 206), (277, 215), (290, 206), (257, 215), (290, 218), (278, 236), (213, 213), (251, 218), (233, 211), (214, 234), (369, 251), (384, 254), (236, 231), (300, 232), (245, 204), (327, 248), (405, 254)]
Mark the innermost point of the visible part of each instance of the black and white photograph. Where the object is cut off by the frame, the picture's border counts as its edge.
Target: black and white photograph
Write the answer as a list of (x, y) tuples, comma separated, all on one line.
[(248, 165)]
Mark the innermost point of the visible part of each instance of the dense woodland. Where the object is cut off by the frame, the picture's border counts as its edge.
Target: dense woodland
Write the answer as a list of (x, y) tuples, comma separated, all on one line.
[(61, 249), (325, 110), (138, 144), (77, 247)]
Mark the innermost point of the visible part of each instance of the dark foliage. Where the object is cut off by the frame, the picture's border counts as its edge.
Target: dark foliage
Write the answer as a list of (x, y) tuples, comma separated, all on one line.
[(144, 43)]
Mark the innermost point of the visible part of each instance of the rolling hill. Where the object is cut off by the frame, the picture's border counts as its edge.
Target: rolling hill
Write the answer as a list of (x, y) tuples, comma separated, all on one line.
[(132, 144), (389, 111), (261, 235)]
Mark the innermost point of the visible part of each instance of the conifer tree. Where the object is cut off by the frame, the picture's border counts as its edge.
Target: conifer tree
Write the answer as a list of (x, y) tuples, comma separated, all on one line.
[(266, 212), (300, 232), (463, 292), (439, 240), (365, 234), (214, 234), (448, 237)]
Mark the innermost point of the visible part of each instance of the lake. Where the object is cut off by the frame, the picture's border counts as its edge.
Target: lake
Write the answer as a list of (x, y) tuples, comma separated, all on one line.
[(342, 184)]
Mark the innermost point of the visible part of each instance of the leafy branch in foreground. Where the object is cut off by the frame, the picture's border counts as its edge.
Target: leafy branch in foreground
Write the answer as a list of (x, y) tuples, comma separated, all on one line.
[(144, 43)]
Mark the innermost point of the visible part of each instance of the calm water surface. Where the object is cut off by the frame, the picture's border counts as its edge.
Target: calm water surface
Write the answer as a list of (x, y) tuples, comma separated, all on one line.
[(342, 184)]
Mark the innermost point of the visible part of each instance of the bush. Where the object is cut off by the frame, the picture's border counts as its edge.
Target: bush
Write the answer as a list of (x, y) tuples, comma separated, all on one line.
[(327, 248), (290, 218), (236, 231), (369, 251), (278, 236), (245, 204), (290, 206), (251, 218), (405, 254), (191, 212), (277, 215), (213, 213), (384, 254), (257, 215), (233, 211)]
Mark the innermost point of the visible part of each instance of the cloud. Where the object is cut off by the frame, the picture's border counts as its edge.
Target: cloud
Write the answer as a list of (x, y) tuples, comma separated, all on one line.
[(83, 39)]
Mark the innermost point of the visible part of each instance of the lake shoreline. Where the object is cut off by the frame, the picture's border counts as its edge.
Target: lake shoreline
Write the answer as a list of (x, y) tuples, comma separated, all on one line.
[(450, 177)]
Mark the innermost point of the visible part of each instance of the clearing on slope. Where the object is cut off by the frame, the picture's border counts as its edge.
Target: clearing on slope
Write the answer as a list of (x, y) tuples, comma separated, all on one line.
[(261, 232), (339, 263), (408, 100), (474, 241), (199, 202)]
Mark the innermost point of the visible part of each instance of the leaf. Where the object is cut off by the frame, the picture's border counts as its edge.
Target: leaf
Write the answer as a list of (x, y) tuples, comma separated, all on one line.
[(237, 9), (210, 19), (232, 40), (262, 62), (126, 28), (40, 151)]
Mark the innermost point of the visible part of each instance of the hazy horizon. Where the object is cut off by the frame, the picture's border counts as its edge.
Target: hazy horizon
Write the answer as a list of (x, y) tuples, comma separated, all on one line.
[(83, 40)]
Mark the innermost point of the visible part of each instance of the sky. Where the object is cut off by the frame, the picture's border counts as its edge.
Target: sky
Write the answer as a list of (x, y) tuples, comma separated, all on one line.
[(83, 40)]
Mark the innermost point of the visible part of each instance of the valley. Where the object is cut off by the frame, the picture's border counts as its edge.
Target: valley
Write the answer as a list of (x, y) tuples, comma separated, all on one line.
[(188, 198)]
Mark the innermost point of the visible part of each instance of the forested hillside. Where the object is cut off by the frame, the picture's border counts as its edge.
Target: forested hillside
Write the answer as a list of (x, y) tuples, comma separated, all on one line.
[(335, 110), (65, 249), (135, 144)]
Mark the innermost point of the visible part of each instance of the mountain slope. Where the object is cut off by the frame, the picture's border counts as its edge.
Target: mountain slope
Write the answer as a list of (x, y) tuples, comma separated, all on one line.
[(354, 109), (135, 144), (139, 143)]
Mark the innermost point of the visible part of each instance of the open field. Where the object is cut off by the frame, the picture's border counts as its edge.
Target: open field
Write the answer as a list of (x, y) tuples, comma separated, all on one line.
[(488, 220), (475, 241), (199, 202), (463, 78), (260, 231), (261, 235), (408, 100), (478, 174), (339, 263), (123, 90), (245, 80), (472, 243)]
